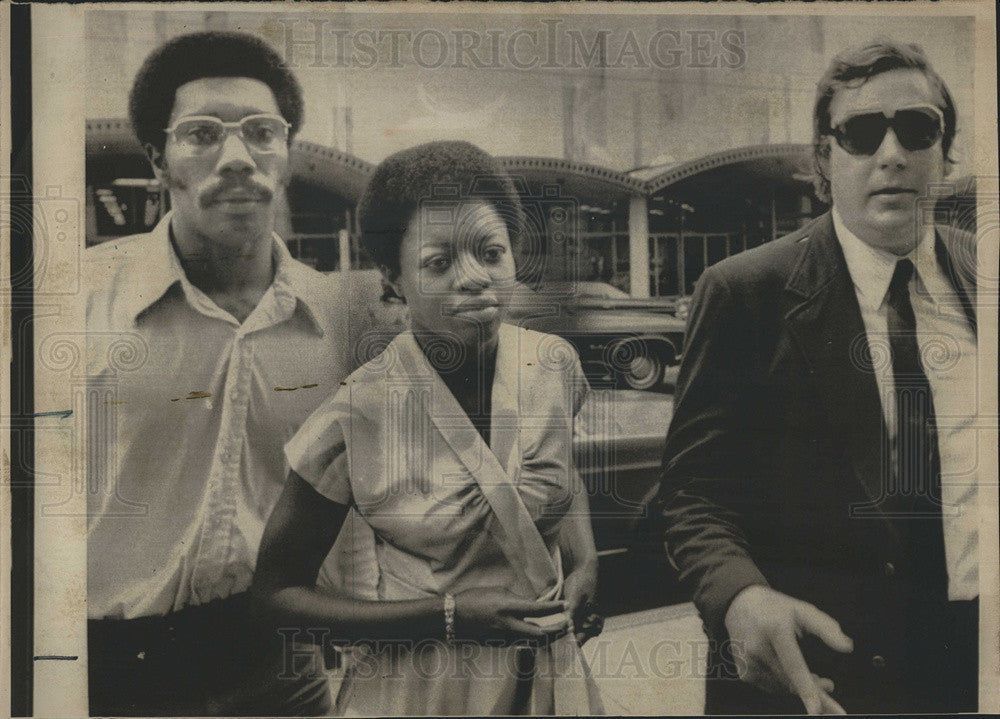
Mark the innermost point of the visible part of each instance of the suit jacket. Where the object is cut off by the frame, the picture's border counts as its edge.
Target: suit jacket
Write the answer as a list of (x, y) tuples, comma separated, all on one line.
[(774, 460)]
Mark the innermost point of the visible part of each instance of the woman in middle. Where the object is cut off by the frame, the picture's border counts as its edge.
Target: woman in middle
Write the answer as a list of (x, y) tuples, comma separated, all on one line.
[(455, 446)]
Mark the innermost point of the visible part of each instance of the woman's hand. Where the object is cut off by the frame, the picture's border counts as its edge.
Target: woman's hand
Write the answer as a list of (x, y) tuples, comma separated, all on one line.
[(580, 590), (579, 557), (494, 613)]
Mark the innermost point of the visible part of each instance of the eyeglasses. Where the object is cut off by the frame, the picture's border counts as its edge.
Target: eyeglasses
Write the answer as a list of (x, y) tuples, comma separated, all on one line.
[(916, 128), (203, 133)]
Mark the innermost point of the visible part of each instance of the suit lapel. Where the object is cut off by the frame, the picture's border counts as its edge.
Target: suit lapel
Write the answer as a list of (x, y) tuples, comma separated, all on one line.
[(826, 322), (956, 255)]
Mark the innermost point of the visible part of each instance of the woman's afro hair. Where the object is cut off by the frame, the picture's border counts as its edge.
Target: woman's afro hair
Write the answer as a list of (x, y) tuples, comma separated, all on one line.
[(447, 171)]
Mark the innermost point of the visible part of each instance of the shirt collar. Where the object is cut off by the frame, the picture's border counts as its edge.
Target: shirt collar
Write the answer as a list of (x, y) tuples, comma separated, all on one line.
[(294, 279), (152, 269), (871, 268), (295, 286)]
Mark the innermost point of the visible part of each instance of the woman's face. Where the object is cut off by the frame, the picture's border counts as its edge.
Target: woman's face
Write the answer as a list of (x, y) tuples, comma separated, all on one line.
[(457, 272)]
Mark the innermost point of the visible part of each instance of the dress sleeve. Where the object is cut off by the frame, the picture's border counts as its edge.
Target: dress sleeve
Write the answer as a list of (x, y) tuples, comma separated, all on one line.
[(579, 386), (318, 451)]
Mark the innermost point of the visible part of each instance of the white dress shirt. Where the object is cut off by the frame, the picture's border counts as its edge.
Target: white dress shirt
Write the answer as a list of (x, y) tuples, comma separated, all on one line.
[(949, 354), (188, 413)]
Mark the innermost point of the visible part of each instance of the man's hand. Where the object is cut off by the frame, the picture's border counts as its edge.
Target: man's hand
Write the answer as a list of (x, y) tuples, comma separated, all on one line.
[(764, 626)]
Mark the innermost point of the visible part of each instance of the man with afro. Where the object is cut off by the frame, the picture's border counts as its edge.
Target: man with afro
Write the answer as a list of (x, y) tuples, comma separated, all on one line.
[(188, 463)]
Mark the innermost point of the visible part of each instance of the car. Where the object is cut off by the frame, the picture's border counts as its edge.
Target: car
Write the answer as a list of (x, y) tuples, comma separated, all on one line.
[(589, 289), (617, 449), (622, 341)]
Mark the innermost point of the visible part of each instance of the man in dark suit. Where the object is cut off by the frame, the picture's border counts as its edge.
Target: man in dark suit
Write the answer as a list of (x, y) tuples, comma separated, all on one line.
[(819, 481)]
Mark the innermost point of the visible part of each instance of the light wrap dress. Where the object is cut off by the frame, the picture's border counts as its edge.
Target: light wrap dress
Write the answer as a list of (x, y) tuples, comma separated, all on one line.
[(449, 513)]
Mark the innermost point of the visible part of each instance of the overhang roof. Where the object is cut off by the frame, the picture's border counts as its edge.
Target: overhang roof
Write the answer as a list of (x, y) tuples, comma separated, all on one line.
[(332, 169), (786, 161), (588, 183), (345, 174)]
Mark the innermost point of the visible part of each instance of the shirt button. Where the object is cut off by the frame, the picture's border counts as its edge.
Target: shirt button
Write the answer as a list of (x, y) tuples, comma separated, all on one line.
[(890, 569), (878, 661)]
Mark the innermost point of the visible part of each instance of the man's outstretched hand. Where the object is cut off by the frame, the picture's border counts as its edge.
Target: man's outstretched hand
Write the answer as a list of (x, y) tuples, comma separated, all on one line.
[(764, 626)]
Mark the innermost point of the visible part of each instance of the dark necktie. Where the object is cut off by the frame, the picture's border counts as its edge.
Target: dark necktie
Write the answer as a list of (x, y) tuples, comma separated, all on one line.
[(918, 461)]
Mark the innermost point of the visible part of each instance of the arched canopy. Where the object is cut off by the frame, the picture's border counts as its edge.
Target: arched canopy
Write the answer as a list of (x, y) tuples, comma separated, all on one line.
[(736, 190), (112, 151), (784, 163), (588, 184), (331, 169)]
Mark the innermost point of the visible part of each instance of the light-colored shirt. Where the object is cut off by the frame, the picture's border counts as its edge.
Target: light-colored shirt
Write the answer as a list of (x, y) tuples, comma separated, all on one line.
[(450, 512), (188, 412), (949, 355)]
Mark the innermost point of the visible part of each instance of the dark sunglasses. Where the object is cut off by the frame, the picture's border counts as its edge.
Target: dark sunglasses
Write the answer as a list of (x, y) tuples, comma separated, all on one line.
[(916, 128)]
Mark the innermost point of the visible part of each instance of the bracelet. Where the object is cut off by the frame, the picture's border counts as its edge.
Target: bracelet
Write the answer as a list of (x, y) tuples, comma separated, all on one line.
[(449, 618)]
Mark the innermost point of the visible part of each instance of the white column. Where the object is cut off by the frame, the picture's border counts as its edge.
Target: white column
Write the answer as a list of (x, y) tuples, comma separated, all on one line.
[(345, 250), (638, 247)]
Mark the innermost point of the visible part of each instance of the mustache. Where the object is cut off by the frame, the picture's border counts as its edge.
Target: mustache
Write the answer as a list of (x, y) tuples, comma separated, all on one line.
[(212, 194)]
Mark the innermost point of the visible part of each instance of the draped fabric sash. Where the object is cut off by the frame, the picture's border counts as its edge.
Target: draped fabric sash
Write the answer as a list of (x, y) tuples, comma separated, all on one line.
[(561, 663)]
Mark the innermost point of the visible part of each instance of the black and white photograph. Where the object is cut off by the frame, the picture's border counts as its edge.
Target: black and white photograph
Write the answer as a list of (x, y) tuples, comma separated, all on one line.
[(461, 359)]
